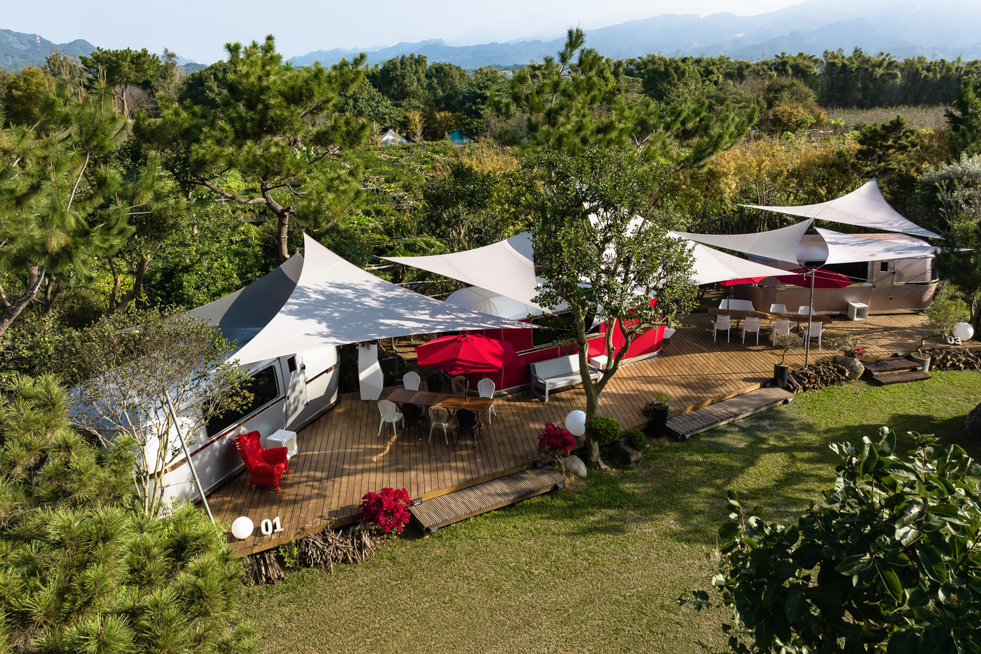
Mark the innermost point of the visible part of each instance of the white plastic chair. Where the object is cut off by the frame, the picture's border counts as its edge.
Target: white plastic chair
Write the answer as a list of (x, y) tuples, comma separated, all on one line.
[(805, 310), (778, 308), (411, 381), (816, 332), (389, 413), (460, 385), (724, 304), (721, 323), (751, 325), (439, 417), (780, 327), (485, 388)]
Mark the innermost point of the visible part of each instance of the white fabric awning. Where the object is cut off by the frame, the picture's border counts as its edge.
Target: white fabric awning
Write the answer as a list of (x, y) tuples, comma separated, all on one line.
[(506, 267), (711, 267), (851, 248), (777, 244), (336, 303), (865, 208)]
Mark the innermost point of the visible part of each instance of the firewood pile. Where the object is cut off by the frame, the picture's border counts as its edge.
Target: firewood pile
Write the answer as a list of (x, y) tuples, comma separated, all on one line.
[(816, 376), (324, 550), (948, 358), (328, 548), (262, 568)]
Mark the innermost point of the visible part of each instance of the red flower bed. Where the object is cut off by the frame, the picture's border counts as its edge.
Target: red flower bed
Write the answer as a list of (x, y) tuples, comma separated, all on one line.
[(556, 440), (387, 510)]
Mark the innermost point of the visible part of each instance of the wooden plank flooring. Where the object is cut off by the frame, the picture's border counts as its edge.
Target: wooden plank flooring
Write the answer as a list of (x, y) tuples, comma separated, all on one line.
[(686, 425), (341, 457)]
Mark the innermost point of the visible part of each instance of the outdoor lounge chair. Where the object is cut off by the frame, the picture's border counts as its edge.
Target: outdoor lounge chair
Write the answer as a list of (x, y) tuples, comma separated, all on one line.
[(411, 381), (467, 422), (721, 323), (389, 413), (780, 327), (485, 388), (816, 332), (439, 418), (751, 325), (413, 415), (434, 383), (265, 466)]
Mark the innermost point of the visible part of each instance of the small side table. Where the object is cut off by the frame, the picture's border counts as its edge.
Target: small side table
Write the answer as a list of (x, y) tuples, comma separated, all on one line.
[(282, 438), (858, 311), (600, 361)]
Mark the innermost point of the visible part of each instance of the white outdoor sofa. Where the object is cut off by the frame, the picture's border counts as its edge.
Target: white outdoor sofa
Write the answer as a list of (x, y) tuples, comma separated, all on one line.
[(553, 374)]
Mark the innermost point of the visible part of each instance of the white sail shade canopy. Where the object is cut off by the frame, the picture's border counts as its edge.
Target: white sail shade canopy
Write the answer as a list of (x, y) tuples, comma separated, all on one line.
[(336, 303), (712, 267), (852, 248), (506, 267), (864, 207), (777, 244)]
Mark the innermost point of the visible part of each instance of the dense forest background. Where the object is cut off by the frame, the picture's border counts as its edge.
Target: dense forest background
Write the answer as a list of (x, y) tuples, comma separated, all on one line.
[(127, 184)]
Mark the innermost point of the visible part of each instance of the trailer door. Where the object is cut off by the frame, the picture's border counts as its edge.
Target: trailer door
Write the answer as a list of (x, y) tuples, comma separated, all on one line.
[(296, 387)]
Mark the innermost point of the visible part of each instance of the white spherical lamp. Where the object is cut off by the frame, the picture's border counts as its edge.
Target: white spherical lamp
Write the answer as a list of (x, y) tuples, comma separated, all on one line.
[(964, 331), (242, 528), (575, 422)]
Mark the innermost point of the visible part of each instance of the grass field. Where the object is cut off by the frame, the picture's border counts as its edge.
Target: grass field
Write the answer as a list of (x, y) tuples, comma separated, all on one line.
[(596, 568), (920, 117)]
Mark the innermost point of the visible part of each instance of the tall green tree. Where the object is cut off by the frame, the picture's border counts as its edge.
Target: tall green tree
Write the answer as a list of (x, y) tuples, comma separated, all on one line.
[(601, 238), (53, 179), (267, 139), (889, 562), (965, 120), (122, 71)]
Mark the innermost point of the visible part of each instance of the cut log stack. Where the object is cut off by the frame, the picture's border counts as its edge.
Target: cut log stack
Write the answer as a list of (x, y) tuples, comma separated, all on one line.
[(324, 550), (949, 358), (816, 376)]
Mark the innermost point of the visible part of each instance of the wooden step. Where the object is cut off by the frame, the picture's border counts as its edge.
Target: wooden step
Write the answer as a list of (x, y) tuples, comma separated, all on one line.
[(890, 365), (742, 406), (887, 378), (483, 498)]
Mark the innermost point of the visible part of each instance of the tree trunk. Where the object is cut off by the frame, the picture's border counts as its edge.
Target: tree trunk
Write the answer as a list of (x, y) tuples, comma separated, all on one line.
[(142, 266), (35, 276), (283, 222), (592, 395)]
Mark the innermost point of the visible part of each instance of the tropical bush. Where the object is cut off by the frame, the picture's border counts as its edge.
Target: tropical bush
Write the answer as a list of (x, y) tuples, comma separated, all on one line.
[(387, 511), (603, 430), (636, 439)]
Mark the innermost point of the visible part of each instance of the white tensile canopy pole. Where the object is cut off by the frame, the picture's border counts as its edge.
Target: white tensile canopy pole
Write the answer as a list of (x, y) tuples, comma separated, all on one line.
[(810, 322)]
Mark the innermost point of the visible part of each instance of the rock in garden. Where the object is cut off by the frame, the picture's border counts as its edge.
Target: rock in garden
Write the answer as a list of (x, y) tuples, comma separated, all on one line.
[(575, 465), (972, 425), (625, 455)]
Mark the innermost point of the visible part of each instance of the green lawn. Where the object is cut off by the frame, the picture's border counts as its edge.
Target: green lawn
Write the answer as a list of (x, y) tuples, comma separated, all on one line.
[(596, 568)]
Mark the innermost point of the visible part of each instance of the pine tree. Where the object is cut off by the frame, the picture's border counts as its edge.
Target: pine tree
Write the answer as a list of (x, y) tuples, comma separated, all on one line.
[(965, 120)]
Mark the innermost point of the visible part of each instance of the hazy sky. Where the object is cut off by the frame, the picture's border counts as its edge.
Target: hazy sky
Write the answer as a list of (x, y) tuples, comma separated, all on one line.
[(199, 29)]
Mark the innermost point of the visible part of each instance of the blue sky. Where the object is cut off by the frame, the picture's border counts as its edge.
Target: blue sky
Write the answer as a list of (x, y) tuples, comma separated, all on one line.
[(198, 30)]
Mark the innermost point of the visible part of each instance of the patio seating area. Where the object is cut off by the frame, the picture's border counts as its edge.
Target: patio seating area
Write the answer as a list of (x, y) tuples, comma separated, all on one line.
[(340, 455)]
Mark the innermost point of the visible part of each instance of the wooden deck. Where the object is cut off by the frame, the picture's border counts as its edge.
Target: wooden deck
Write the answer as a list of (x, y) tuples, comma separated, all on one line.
[(340, 457)]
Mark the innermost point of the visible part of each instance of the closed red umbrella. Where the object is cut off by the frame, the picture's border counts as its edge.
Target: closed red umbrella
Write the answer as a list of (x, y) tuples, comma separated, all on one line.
[(465, 353), (822, 278)]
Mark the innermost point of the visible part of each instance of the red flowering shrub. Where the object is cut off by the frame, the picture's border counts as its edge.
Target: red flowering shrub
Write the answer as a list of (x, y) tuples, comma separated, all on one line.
[(555, 441), (387, 510)]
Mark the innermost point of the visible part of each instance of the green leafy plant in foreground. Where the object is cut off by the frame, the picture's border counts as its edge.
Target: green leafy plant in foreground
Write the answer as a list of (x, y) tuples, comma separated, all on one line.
[(891, 563)]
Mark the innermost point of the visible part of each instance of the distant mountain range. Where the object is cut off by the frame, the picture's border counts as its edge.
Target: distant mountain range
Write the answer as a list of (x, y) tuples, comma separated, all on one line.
[(904, 28), (18, 50)]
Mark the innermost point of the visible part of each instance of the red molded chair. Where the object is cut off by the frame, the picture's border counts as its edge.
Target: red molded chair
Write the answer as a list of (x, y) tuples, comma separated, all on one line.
[(265, 466)]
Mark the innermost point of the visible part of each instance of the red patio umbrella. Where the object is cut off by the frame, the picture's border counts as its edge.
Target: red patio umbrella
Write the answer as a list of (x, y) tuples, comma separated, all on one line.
[(465, 353), (744, 280), (822, 278)]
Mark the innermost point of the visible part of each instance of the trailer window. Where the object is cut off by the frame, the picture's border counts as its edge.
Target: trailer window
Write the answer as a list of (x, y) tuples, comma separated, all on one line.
[(265, 390)]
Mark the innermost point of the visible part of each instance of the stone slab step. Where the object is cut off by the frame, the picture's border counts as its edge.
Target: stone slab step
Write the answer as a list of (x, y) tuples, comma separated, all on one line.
[(483, 498), (887, 378), (742, 406)]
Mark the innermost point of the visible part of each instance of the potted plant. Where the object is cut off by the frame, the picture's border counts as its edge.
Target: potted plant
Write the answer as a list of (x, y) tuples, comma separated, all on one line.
[(786, 342), (657, 412), (852, 354)]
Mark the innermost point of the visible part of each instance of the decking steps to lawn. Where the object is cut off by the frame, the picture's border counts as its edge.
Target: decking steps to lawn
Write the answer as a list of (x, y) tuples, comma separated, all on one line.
[(895, 370), (742, 406), (483, 498)]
